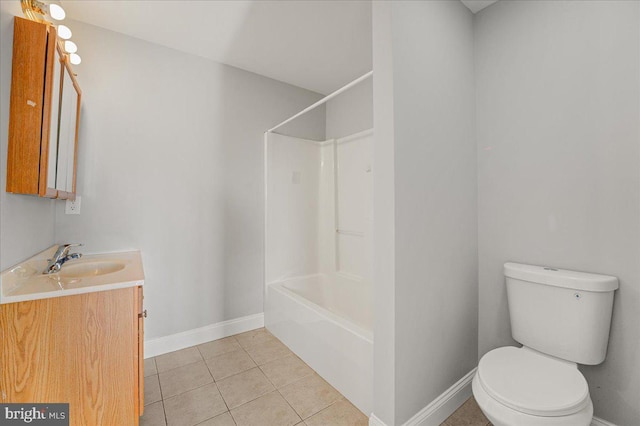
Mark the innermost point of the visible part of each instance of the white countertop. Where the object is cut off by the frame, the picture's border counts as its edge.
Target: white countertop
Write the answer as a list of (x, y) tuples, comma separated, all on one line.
[(91, 273)]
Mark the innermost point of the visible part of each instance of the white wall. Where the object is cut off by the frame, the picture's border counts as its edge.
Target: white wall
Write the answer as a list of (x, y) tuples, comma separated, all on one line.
[(430, 101), (384, 295), (558, 104), (26, 222), (436, 195), (351, 111), (171, 162)]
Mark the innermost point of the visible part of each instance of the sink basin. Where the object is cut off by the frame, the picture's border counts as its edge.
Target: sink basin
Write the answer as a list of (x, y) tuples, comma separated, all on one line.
[(94, 272), (90, 269)]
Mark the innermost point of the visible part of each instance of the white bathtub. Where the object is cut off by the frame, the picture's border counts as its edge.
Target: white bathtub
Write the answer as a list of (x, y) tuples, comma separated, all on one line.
[(327, 321)]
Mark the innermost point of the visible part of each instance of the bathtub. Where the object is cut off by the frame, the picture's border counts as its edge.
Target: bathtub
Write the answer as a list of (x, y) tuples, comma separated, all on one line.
[(327, 321)]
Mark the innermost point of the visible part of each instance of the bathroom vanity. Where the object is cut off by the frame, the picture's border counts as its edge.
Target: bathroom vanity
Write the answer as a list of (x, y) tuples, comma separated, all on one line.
[(75, 336)]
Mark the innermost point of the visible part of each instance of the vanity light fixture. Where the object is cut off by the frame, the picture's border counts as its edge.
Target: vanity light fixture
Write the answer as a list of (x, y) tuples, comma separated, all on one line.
[(41, 11), (70, 47), (64, 32), (56, 12), (37, 10)]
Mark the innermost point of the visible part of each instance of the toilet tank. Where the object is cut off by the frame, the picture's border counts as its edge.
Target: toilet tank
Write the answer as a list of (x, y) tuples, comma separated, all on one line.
[(562, 313)]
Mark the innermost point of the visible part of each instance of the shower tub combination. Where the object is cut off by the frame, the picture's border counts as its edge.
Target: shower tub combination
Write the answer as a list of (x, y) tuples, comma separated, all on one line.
[(318, 219), (327, 321)]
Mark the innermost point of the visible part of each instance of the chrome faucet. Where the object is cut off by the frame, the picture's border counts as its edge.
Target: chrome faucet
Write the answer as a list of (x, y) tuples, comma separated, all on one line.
[(61, 257)]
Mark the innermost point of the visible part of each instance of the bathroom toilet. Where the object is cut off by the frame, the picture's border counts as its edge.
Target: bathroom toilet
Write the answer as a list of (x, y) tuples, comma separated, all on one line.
[(562, 319)]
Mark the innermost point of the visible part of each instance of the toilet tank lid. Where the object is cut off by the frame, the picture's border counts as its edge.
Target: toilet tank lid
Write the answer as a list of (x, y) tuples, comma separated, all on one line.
[(561, 277)]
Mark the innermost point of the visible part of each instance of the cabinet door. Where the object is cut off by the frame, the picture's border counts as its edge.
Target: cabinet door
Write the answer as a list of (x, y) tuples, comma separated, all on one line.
[(33, 46), (76, 349), (43, 115)]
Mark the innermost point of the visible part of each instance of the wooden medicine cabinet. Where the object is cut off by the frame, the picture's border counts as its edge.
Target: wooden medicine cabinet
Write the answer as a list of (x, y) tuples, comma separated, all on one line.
[(43, 115)]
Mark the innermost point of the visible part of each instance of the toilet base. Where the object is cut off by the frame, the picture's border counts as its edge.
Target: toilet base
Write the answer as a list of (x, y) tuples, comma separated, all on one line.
[(501, 415)]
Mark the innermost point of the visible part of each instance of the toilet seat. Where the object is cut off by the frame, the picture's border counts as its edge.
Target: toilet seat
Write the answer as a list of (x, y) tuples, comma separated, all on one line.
[(533, 383)]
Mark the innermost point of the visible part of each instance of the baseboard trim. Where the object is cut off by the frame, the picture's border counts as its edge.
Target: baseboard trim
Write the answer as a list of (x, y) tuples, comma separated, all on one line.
[(185, 339), (443, 406), (440, 408), (449, 401), (374, 421), (599, 422)]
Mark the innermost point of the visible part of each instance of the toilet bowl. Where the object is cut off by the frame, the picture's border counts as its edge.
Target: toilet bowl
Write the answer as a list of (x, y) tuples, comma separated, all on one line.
[(522, 387), (561, 318)]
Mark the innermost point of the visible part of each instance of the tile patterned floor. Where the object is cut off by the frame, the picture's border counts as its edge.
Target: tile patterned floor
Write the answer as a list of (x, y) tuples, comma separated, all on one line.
[(469, 414), (244, 380)]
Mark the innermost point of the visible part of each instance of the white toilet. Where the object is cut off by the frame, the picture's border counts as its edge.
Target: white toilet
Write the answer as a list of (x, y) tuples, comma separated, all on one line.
[(562, 318)]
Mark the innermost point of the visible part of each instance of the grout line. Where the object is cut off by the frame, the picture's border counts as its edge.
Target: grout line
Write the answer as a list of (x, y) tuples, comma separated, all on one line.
[(233, 418), (183, 365), (164, 410), (220, 392), (211, 341), (282, 396), (296, 381), (259, 396), (218, 415), (304, 377), (190, 390), (234, 374), (342, 398), (274, 387), (289, 404), (145, 381)]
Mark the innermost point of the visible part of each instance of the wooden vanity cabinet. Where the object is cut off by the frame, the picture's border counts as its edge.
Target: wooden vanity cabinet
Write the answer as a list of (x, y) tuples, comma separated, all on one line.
[(84, 349), (44, 105)]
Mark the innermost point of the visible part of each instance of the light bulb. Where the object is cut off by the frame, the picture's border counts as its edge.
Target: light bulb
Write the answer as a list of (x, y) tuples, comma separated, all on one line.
[(75, 59), (64, 32), (70, 46), (56, 11)]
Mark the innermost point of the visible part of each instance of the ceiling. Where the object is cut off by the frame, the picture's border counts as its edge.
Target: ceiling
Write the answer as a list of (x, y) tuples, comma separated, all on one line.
[(318, 45), (477, 5)]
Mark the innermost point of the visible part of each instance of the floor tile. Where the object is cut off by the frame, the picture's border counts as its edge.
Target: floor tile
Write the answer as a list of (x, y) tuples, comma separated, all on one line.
[(244, 387), (218, 347), (342, 413), (153, 415), (228, 364), (268, 410), (285, 370), (195, 406), (221, 420), (254, 337), (267, 351), (150, 367), (151, 390), (177, 359), (469, 414), (309, 395), (182, 379)]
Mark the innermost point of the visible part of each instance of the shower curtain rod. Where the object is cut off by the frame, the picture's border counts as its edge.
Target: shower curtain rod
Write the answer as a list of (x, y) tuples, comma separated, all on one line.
[(323, 100)]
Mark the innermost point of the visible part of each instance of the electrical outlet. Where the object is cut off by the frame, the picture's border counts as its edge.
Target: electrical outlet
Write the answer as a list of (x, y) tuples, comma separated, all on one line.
[(73, 207)]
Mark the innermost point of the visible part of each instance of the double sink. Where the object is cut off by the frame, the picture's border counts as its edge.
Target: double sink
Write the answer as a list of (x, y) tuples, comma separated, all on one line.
[(96, 272)]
